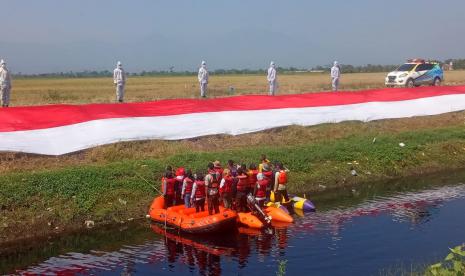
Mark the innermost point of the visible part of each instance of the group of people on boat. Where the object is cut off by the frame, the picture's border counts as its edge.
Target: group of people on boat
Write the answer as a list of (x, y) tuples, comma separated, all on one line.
[(229, 185)]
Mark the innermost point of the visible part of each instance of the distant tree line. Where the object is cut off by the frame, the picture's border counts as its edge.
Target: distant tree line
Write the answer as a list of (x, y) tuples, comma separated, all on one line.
[(458, 64)]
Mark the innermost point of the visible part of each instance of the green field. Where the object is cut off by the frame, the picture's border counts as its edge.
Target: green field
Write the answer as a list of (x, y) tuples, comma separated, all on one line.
[(35, 91)]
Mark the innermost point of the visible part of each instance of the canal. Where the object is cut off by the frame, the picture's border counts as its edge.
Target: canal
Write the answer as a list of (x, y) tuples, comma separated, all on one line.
[(364, 230)]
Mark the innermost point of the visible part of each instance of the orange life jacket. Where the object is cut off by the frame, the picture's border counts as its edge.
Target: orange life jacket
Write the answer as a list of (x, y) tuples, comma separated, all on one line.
[(261, 187), (170, 182), (189, 184), (243, 183), (200, 189), (252, 178), (282, 178), (228, 182)]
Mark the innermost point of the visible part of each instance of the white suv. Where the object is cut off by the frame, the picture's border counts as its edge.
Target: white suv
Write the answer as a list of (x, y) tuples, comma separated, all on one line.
[(415, 73)]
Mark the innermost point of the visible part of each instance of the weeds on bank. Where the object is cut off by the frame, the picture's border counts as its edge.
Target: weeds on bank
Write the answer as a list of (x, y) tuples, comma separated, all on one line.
[(453, 263)]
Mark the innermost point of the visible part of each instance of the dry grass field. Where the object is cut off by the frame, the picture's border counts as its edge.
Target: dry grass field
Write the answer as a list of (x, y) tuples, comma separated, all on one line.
[(100, 90)]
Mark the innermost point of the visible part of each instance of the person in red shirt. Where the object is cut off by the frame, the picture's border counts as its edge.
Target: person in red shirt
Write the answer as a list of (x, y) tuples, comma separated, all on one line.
[(252, 173), (212, 184), (180, 174), (187, 186), (280, 183), (241, 193), (260, 189), (268, 174), (198, 192), (168, 189), (226, 188)]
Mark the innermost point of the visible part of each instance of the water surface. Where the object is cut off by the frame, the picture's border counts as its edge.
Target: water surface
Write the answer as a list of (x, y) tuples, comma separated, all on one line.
[(354, 232)]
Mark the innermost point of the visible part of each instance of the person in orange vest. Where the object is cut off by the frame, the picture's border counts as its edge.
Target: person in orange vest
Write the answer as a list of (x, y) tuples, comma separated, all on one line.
[(198, 193), (260, 189), (280, 182), (167, 169), (218, 168), (252, 173), (168, 189), (263, 161), (226, 188), (212, 184), (241, 193), (187, 185), (268, 174), (180, 174)]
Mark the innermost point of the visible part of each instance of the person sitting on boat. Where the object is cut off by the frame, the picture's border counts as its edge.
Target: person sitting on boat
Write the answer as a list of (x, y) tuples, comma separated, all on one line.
[(187, 185), (263, 161), (212, 184), (252, 173), (260, 189), (226, 188), (180, 174), (280, 181), (241, 193), (268, 174), (168, 188), (198, 192)]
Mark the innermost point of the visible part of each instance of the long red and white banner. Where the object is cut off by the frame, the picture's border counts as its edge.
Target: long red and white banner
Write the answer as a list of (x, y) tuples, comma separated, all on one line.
[(61, 129)]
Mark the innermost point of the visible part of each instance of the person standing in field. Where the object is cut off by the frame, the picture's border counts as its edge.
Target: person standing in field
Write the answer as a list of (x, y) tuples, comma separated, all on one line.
[(272, 79), (119, 79), (5, 84), (335, 75), (203, 79)]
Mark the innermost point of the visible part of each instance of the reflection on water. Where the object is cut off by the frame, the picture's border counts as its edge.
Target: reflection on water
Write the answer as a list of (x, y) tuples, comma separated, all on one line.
[(351, 232)]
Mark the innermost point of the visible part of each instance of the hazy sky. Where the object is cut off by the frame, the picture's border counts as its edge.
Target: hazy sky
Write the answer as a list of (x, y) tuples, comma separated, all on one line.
[(56, 35)]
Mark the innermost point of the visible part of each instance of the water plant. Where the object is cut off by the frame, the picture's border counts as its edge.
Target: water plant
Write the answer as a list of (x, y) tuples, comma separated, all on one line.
[(453, 263)]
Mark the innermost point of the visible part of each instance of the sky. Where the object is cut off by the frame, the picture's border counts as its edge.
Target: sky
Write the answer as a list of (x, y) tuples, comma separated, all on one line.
[(54, 35)]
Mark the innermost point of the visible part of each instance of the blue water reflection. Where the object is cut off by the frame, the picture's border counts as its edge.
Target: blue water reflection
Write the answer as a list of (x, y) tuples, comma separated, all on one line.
[(357, 239)]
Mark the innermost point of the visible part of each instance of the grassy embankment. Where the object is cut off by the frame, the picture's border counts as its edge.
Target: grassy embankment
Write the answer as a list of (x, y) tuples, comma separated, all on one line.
[(39, 195)]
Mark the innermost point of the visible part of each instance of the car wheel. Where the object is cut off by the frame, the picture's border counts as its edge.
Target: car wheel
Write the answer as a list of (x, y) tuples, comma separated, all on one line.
[(437, 82), (410, 83)]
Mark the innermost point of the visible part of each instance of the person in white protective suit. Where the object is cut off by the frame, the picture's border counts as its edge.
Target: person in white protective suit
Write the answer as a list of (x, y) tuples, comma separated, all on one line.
[(203, 79), (335, 75), (5, 84), (272, 78), (119, 79)]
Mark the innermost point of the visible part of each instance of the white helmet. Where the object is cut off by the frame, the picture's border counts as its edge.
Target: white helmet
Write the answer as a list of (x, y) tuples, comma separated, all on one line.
[(272, 64), (203, 62), (2, 62), (119, 64), (336, 63)]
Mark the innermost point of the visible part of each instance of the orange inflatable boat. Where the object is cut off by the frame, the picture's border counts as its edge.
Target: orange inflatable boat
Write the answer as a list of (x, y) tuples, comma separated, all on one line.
[(189, 221)]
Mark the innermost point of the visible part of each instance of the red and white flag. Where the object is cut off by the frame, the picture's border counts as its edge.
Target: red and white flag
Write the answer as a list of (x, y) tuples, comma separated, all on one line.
[(61, 129)]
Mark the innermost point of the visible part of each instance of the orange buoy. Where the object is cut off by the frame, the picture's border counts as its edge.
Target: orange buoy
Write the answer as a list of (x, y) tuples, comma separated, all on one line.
[(277, 214)]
